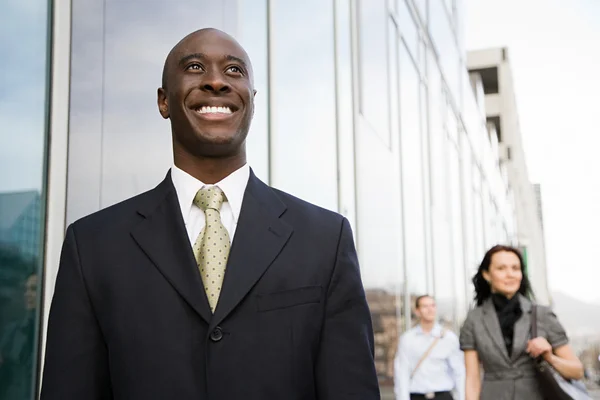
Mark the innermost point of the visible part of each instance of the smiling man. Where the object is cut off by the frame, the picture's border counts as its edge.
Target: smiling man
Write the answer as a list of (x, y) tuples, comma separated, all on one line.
[(212, 285)]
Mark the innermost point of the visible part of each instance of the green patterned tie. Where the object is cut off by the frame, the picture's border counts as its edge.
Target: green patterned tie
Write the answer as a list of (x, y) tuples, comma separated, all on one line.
[(212, 246)]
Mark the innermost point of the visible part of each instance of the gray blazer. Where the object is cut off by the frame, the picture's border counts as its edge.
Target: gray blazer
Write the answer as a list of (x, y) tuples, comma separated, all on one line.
[(508, 378)]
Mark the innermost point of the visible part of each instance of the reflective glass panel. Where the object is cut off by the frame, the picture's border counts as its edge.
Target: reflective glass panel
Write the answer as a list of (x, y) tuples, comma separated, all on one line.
[(373, 71), (24, 68), (303, 107), (412, 176)]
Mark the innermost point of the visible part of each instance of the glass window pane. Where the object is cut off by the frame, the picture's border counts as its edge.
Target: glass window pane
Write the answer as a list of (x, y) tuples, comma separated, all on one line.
[(480, 246), (23, 132), (373, 73), (386, 301), (470, 262), (379, 231), (313, 135), (487, 218), (445, 44), (408, 28), (412, 176), (345, 110), (252, 35), (456, 221), (443, 268), (421, 6)]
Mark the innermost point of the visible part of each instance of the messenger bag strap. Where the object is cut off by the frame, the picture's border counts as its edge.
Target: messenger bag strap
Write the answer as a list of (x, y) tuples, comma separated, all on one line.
[(427, 352)]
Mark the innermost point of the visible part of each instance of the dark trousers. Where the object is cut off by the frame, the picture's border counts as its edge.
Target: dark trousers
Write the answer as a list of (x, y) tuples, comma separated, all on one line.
[(438, 396)]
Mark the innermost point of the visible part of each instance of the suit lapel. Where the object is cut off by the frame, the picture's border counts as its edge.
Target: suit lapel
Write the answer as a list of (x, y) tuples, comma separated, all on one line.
[(162, 236), (522, 329), (260, 236), (492, 325)]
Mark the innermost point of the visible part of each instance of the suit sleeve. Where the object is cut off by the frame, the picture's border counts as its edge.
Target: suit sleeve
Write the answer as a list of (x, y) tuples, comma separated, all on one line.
[(467, 334), (345, 367), (76, 363), (556, 334)]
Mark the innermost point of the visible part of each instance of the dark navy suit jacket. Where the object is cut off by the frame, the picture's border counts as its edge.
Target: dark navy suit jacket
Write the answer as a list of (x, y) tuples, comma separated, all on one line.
[(130, 320)]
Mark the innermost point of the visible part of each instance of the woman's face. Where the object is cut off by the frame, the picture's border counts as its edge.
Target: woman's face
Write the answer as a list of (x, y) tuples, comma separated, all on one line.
[(505, 273)]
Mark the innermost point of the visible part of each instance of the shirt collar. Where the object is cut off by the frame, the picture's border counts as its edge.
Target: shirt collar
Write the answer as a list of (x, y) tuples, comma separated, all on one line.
[(233, 186), (436, 331)]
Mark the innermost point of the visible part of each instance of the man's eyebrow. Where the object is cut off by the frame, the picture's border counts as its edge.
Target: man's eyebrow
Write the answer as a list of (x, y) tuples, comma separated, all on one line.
[(192, 56), (236, 59)]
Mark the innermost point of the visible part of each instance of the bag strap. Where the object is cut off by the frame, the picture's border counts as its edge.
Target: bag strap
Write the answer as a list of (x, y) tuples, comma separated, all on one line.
[(427, 352), (534, 321)]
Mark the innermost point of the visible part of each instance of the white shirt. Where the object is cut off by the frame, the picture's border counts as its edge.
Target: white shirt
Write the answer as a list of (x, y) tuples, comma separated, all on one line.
[(442, 371), (233, 186)]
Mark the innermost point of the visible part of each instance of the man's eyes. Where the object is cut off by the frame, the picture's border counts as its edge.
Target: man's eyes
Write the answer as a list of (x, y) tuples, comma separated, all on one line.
[(235, 69), (195, 66)]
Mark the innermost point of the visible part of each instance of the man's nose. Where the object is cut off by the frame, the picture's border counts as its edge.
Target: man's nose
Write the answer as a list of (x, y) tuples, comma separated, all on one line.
[(215, 83)]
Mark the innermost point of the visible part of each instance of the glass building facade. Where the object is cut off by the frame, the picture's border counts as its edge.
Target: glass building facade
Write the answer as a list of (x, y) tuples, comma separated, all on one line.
[(363, 107)]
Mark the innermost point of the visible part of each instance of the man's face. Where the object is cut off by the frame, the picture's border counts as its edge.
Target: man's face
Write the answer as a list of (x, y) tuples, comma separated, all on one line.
[(427, 310), (209, 94)]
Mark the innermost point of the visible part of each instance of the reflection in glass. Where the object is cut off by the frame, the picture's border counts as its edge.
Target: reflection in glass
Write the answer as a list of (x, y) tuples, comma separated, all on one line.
[(303, 135), (408, 28), (373, 71), (345, 111), (23, 130), (387, 299), (478, 221), (444, 41), (471, 252), (412, 176), (443, 262), (379, 217), (421, 7), (488, 229), (252, 35), (456, 222)]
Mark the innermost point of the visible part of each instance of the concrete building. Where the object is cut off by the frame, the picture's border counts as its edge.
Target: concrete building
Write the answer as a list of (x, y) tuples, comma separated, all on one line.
[(492, 66)]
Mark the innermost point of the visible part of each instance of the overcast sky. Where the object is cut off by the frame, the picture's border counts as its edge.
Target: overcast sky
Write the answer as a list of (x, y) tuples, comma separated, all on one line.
[(554, 47)]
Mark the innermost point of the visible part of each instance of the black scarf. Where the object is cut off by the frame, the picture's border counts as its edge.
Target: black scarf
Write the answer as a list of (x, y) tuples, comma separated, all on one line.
[(508, 311)]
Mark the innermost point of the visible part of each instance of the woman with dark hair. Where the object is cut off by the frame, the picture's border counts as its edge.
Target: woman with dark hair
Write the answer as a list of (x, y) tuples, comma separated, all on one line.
[(497, 333)]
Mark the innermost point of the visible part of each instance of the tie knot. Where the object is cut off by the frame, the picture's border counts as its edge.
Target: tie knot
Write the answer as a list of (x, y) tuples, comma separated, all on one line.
[(209, 197)]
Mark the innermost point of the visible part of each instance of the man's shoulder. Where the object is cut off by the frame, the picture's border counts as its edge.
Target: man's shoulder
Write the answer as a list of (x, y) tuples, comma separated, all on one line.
[(306, 209), (410, 333), (449, 335), (114, 215)]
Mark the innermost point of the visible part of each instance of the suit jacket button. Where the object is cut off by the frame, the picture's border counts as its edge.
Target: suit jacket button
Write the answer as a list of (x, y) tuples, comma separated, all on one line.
[(216, 334)]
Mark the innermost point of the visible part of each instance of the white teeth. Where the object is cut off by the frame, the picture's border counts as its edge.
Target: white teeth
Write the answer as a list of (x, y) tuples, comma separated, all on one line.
[(214, 110)]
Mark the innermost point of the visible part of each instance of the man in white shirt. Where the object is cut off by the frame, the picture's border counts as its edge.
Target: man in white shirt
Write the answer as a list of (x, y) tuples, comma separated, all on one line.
[(428, 363)]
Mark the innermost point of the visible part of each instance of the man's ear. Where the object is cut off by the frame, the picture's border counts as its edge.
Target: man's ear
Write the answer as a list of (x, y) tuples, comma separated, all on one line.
[(163, 103)]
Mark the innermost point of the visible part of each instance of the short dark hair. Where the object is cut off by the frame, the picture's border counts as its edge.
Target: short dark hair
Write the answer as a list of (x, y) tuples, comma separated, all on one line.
[(418, 300), (483, 290)]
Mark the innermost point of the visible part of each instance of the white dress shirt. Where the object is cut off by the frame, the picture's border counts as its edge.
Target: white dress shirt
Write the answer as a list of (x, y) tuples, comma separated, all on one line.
[(442, 371), (233, 186)]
